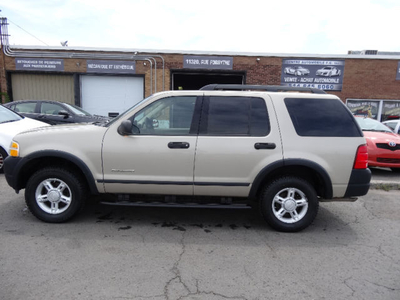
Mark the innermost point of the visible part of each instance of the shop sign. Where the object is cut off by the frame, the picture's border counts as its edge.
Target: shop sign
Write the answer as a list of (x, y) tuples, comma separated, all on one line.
[(39, 64), (207, 62), (111, 66), (398, 71), (320, 74)]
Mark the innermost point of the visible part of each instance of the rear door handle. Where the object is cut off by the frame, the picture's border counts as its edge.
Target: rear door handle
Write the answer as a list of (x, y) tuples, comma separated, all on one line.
[(259, 146), (178, 145)]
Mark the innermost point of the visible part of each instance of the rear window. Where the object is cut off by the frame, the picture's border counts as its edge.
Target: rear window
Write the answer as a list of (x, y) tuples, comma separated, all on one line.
[(321, 117), (28, 107)]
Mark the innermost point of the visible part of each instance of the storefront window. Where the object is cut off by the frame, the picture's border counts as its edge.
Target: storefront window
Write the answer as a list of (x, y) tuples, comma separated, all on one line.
[(366, 108), (390, 110)]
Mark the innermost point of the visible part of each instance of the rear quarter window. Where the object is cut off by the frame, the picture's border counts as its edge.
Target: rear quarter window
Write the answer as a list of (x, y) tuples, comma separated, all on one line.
[(321, 117)]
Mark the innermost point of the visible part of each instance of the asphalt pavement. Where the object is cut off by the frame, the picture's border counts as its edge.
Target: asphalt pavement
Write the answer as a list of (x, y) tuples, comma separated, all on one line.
[(351, 251)]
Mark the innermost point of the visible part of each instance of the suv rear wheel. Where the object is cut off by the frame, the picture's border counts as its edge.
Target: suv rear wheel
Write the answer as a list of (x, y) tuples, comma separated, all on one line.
[(55, 195), (289, 204)]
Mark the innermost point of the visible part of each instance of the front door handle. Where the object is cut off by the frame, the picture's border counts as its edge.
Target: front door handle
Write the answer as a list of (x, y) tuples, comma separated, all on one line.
[(178, 145), (259, 146)]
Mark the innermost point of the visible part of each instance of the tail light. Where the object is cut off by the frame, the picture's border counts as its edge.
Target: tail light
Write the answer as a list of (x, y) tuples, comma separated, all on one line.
[(361, 161)]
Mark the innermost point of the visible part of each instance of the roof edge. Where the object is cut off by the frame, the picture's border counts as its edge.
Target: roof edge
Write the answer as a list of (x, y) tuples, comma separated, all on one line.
[(200, 52)]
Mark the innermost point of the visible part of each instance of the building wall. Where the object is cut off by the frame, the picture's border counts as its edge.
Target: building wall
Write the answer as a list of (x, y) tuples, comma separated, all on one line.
[(267, 70), (362, 79), (370, 79)]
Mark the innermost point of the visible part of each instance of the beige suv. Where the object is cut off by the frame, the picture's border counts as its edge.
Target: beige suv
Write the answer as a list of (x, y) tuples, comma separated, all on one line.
[(222, 146)]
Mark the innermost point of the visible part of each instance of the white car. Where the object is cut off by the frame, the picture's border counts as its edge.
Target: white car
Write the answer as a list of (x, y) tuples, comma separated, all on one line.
[(12, 123), (394, 125), (297, 71), (328, 71)]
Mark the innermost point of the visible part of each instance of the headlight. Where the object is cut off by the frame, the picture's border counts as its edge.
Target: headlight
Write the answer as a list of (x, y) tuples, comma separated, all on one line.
[(14, 149)]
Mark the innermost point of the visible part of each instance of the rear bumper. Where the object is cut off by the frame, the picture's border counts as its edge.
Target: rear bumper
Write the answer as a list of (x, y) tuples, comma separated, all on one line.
[(359, 183)]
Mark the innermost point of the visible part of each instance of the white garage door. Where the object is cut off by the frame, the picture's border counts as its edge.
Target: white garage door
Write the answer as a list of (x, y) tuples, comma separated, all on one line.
[(101, 95)]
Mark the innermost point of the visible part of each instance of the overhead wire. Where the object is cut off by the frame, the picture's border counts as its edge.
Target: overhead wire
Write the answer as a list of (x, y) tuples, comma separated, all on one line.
[(25, 30), (72, 54)]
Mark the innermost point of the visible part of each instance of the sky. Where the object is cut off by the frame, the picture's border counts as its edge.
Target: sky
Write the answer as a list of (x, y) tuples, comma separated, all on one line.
[(306, 26)]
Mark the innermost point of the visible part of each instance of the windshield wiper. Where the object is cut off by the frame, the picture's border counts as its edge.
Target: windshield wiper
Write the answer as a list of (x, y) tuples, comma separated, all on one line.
[(8, 121), (100, 123), (376, 130)]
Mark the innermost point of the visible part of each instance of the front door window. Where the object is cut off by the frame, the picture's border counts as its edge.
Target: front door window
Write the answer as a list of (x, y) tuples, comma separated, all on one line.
[(168, 116)]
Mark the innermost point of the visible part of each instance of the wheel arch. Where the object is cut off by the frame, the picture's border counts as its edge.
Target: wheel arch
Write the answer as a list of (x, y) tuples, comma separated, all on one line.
[(3, 154), (309, 170), (47, 158)]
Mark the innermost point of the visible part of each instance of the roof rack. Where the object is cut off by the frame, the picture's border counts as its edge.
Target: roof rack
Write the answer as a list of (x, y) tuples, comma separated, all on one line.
[(268, 88)]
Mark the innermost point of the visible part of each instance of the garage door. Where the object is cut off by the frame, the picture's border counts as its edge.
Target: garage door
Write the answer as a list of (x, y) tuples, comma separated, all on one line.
[(43, 87), (102, 95)]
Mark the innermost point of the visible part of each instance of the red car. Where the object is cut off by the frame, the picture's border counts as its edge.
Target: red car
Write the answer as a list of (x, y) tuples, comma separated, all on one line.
[(383, 144)]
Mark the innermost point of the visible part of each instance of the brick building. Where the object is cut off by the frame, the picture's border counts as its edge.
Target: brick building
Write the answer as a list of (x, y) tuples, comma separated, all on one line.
[(106, 81)]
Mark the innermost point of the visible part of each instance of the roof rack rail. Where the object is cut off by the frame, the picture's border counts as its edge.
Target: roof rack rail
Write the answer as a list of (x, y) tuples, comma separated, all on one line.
[(268, 88)]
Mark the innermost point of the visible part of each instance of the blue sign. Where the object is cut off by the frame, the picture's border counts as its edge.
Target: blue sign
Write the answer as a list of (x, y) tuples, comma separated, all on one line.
[(39, 64), (111, 66), (398, 71), (320, 74)]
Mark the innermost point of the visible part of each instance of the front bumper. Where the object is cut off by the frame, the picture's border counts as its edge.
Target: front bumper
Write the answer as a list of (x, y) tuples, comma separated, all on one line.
[(10, 168)]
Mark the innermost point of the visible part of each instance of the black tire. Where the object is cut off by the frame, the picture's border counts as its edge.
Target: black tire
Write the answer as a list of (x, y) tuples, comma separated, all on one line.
[(395, 170), (295, 209), (55, 195), (3, 155)]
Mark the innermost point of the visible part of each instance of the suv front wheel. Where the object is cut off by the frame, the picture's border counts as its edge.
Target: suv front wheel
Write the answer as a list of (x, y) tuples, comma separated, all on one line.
[(289, 204), (55, 195)]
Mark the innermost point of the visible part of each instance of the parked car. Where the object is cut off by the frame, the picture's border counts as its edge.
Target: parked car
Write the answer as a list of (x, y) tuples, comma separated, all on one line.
[(328, 71), (394, 125), (54, 112), (382, 143), (222, 146), (12, 123), (297, 71)]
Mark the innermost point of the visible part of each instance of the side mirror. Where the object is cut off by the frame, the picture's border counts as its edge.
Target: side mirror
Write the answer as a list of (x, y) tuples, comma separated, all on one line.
[(63, 113), (127, 128)]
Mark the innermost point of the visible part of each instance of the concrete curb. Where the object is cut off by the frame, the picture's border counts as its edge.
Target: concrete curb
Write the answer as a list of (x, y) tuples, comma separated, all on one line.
[(385, 185)]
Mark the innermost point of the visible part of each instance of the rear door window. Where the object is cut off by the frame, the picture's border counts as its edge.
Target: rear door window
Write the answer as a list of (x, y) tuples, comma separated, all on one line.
[(28, 107), (237, 116)]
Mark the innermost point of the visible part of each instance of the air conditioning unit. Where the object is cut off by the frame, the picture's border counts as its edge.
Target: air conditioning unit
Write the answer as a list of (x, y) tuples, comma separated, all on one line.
[(369, 52)]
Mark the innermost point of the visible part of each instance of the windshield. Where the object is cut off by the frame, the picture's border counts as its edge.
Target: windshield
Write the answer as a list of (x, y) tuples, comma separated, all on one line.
[(127, 111), (368, 124), (7, 115), (77, 110)]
